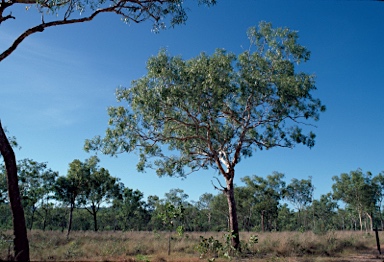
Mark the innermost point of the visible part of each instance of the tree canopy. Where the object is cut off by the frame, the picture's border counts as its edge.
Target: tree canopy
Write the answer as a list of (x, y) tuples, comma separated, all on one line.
[(210, 111)]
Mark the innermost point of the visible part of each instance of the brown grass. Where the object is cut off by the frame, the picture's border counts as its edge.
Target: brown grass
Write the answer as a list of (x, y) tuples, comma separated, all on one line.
[(152, 246)]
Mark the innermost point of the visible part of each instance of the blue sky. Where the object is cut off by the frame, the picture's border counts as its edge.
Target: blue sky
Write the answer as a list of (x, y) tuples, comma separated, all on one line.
[(56, 86)]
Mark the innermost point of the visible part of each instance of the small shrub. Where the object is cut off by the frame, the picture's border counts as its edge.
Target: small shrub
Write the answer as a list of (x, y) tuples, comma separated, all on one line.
[(209, 247)]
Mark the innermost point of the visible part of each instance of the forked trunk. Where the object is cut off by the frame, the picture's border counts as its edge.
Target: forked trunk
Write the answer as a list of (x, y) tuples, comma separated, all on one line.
[(233, 223), (21, 245)]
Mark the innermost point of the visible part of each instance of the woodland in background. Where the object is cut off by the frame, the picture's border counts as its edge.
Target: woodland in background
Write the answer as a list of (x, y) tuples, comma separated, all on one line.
[(89, 198)]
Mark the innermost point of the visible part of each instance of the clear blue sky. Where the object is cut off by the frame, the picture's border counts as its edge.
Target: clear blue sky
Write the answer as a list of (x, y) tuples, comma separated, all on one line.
[(56, 86)]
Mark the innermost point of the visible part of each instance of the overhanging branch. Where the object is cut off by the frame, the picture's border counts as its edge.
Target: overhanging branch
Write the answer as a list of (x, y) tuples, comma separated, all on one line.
[(42, 26)]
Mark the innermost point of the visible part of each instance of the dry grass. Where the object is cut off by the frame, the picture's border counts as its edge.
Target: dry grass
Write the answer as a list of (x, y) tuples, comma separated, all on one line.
[(153, 246)]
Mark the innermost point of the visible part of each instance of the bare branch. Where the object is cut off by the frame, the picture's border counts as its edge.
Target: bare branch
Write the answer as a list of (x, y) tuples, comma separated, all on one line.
[(42, 26), (3, 18), (222, 189)]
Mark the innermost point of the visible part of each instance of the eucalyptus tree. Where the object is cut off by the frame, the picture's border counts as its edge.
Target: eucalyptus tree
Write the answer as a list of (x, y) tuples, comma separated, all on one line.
[(204, 207), (131, 212), (212, 111), (176, 196), (300, 194), (378, 180), (266, 194), (357, 190), (62, 12), (286, 218), (69, 189), (36, 182), (324, 211), (100, 188)]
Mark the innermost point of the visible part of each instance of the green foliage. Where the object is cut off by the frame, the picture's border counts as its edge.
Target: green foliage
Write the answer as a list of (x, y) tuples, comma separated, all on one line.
[(324, 211), (359, 191), (208, 109), (171, 215), (130, 211), (212, 111), (136, 11), (62, 12), (300, 194), (209, 247), (264, 195)]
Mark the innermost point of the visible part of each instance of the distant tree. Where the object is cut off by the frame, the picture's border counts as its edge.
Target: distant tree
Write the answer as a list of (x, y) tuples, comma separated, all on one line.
[(324, 211), (204, 207), (100, 188), (36, 182), (286, 218), (378, 180), (266, 194), (176, 196), (213, 110), (357, 190), (220, 215), (68, 189), (300, 194), (154, 205), (131, 210)]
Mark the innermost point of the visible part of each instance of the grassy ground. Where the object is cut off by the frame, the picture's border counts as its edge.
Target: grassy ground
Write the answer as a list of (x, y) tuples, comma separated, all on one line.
[(153, 246)]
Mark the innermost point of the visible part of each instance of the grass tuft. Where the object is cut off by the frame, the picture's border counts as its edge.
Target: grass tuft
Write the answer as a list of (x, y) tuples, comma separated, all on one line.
[(152, 247)]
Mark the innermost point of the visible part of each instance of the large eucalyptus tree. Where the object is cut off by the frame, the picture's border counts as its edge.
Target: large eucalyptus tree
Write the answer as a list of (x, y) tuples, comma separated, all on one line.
[(54, 13), (210, 111)]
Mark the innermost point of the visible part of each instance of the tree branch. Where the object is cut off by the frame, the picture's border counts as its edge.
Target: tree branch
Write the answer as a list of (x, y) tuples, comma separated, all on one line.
[(222, 189), (42, 26)]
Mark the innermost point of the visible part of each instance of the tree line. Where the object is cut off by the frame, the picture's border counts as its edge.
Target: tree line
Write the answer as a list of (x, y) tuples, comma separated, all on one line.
[(88, 197)]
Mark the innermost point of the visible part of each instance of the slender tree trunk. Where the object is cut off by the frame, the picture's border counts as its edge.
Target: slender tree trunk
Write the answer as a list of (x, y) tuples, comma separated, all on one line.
[(94, 213), (370, 221), (361, 221), (44, 222), (21, 245), (262, 221), (32, 218), (70, 219), (233, 223)]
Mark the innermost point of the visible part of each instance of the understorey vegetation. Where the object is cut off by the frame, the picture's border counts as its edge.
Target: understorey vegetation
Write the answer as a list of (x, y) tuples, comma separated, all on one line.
[(197, 246)]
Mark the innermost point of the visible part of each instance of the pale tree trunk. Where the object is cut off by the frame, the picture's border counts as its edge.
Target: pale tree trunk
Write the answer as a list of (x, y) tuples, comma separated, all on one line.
[(21, 245), (370, 221), (233, 223), (361, 221)]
